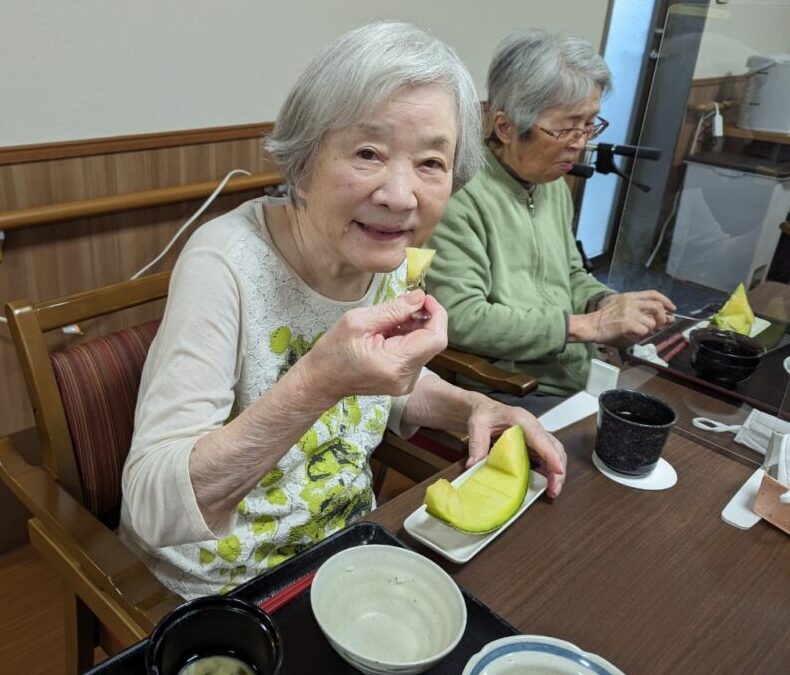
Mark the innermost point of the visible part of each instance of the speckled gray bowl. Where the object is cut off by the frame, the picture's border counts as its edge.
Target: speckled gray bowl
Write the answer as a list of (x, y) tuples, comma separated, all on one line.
[(632, 430)]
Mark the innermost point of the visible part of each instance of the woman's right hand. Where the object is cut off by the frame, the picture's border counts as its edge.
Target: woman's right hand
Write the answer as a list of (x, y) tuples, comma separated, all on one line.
[(623, 319), (366, 352)]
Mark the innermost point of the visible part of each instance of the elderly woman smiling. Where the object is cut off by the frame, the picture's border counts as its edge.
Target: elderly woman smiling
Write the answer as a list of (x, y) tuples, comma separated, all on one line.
[(509, 273), (278, 363)]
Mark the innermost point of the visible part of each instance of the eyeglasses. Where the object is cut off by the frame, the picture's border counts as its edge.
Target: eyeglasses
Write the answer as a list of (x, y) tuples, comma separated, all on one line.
[(574, 134)]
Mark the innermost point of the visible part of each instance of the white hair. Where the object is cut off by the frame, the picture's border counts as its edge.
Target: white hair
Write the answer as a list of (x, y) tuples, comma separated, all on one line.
[(534, 70), (354, 76)]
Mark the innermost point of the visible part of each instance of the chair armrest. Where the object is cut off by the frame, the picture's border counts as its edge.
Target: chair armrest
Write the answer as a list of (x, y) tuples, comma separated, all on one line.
[(482, 370), (457, 441), (408, 459), (102, 558)]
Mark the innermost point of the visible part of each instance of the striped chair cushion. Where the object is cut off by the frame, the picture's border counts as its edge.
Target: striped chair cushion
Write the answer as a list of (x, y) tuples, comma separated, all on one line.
[(98, 383)]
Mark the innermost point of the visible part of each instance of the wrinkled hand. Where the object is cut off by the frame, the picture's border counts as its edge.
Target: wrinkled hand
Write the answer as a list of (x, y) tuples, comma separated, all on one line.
[(367, 352), (625, 318), (490, 418)]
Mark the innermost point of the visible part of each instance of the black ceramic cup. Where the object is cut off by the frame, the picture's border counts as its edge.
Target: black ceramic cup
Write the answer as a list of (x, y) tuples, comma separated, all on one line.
[(214, 626), (632, 430)]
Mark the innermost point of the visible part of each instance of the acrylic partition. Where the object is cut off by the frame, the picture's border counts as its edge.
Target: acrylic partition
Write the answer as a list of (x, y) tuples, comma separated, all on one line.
[(716, 216)]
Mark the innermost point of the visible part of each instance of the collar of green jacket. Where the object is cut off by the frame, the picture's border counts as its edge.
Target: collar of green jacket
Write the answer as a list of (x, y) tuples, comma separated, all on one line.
[(519, 189)]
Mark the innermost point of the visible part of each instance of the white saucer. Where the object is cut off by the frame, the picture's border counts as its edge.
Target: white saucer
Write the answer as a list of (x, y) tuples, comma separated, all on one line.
[(662, 477), (786, 364)]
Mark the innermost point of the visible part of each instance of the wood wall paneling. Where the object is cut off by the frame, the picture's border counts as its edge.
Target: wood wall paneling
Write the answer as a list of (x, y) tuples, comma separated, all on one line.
[(54, 260), (51, 261), (104, 146)]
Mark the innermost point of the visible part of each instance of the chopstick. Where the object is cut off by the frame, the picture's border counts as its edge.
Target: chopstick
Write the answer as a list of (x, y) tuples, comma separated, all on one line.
[(285, 595), (671, 347), (672, 353), (666, 344)]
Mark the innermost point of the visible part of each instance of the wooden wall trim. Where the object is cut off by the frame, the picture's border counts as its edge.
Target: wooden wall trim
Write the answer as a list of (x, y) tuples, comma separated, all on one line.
[(88, 208), (20, 154), (707, 81), (43, 152)]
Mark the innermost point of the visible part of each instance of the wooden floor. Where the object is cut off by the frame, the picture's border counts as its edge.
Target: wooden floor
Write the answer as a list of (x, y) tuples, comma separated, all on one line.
[(31, 615), (32, 638)]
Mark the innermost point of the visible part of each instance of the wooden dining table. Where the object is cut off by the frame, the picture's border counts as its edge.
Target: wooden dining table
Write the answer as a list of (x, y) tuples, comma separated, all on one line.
[(654, 582)]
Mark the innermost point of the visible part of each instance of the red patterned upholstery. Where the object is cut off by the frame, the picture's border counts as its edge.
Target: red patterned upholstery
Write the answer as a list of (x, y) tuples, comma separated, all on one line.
[(98, 382)]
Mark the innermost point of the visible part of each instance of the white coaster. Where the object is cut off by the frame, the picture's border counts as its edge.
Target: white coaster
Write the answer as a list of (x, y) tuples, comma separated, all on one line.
[(662, 477)]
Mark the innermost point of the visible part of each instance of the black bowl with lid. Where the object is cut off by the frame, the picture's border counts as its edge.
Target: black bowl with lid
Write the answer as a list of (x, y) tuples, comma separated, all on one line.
[(724, 355), (215, 626)]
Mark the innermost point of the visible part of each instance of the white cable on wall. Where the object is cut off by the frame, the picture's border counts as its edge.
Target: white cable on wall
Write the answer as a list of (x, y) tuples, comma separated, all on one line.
[(663, 230), (74, 329), (191, 220), (716, 114)]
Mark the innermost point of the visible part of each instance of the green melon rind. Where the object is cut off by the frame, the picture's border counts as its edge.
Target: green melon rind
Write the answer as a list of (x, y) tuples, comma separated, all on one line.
[(501, 482)]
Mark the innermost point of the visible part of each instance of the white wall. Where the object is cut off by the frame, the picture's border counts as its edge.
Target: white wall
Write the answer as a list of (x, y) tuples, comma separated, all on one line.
[(76, 69), (738, 29)]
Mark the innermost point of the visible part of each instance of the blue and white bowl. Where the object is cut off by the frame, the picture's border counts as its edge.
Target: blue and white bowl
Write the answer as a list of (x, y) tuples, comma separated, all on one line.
[(536, 654)]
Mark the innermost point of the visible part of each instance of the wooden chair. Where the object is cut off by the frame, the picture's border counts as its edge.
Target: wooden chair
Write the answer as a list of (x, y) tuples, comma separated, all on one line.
[(83, 401), (452, 362)]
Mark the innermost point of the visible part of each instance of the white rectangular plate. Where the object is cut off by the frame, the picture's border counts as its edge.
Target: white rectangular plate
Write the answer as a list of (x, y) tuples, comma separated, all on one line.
[(758, 327), (460, 547)]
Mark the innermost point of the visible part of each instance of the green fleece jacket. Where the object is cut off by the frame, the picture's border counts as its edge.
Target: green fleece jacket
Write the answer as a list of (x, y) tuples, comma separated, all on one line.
[(509, 279)]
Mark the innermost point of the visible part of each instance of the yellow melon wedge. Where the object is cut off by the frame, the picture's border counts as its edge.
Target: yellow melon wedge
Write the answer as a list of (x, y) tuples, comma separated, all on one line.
[(490, 496), (418, 260), (735, 314)]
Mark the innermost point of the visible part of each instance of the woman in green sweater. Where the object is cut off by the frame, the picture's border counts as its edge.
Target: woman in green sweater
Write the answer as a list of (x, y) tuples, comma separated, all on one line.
[(507, 268)]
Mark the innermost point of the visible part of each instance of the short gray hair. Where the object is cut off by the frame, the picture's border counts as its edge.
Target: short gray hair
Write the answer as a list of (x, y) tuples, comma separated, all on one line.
[(356, 74), (534, 70)]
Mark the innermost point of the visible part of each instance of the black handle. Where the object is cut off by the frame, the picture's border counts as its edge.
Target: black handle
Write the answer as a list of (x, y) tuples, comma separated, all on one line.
[(581, 170), (642, 152)]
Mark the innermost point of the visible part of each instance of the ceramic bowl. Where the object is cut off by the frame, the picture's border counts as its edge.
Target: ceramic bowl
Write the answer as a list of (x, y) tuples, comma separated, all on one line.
[(724, 355), (536, 654), (386, 609), (214, 626)]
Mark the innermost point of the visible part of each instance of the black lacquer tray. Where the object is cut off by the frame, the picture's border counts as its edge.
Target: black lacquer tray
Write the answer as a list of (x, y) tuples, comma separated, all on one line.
[(765, 389), (305, 648)]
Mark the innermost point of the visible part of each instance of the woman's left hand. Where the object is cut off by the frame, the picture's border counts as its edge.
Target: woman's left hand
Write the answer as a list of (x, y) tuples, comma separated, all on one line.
[(490, 418)]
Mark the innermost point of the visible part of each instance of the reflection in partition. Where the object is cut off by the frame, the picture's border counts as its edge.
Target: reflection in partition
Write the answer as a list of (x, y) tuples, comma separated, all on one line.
[(717, 215), (778, 462), (726, 231)]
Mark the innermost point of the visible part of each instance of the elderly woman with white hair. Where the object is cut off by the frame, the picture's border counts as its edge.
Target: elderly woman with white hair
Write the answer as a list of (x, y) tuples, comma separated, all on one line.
[(286, 345), (509, 273)]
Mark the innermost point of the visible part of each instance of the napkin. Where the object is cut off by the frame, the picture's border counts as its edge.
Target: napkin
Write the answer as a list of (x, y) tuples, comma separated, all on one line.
[(777, 463), (758, 428), (648, 353), (754, 433)]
